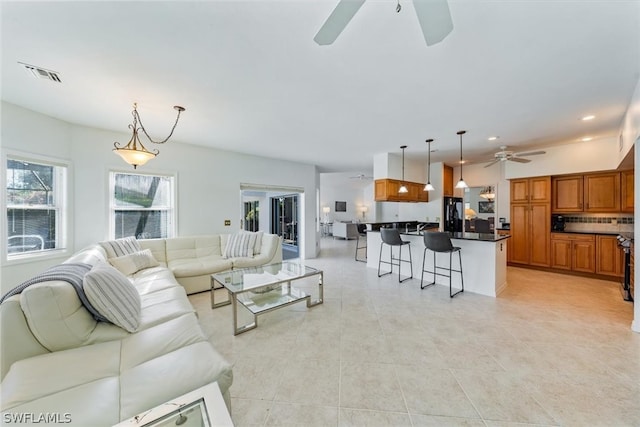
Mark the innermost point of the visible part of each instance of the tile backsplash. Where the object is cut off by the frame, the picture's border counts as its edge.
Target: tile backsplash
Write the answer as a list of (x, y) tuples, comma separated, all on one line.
[(599, 223)]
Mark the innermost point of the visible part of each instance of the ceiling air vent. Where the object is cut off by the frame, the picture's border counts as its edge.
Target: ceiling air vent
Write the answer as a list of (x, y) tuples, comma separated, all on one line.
[(42, 73)]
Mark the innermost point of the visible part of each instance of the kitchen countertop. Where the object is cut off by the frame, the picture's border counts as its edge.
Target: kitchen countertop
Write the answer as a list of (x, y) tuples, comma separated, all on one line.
[(481, 237), (601, 233)]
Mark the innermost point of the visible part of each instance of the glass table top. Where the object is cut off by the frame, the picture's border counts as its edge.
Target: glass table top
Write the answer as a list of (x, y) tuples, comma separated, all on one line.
[(252, 278)]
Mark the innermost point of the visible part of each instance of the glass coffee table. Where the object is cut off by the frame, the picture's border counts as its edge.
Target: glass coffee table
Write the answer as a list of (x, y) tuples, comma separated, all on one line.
[(263, 289)]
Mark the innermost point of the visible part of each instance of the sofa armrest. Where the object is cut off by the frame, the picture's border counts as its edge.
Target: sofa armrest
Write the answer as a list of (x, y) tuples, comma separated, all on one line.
[(18, 341)]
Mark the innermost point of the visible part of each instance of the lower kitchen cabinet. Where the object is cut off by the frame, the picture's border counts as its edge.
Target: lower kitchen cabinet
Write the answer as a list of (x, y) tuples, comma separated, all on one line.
[(609, 256), (508, 242), (574, 252)]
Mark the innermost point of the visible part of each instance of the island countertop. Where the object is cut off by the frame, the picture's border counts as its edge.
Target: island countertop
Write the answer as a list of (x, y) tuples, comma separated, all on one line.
[(481, 237), (484, 259)]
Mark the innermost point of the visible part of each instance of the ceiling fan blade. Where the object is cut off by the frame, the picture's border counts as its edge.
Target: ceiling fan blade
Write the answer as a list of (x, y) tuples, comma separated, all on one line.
[(435, 19), (493, 162), (337, 21), (519, 160), (531, 153)]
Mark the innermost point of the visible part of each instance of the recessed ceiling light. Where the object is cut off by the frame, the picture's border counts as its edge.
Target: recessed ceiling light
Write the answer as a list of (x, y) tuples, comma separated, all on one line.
[(587, 118), (586, 138), (493, 138)]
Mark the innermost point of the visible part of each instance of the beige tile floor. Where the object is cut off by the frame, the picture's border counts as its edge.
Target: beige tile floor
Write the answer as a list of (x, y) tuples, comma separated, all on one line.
[(551, 350)]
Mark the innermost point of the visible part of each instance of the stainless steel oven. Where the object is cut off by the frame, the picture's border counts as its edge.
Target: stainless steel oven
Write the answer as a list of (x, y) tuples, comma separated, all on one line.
[(624, 241)]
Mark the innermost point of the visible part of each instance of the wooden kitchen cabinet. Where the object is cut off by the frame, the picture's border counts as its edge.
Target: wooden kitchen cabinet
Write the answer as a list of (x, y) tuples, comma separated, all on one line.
[(447, 181), (609, 256), (386, 190), (602, 192), (530, 221), (531, 190), (627, 197), (567, 194), (593, 193), (574, 252)]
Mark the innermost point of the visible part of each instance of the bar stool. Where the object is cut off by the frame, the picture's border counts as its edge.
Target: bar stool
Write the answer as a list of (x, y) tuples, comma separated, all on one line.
[(391, 237), (362, 235), (440, 242)]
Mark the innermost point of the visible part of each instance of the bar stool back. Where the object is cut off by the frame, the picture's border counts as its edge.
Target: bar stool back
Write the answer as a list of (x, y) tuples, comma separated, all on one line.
[(391, 237), (440, 242)]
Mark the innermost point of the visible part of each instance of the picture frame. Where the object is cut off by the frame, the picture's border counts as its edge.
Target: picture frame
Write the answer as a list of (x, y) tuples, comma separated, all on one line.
[(486, 207), (341, 206)]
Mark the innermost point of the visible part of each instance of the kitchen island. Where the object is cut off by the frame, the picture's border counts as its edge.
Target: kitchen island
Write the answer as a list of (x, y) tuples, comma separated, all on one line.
[(484, 260)]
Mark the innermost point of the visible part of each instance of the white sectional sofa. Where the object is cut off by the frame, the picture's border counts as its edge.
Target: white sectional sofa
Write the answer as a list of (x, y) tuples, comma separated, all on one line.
[(346, 230), (56, 358), (192, 260)]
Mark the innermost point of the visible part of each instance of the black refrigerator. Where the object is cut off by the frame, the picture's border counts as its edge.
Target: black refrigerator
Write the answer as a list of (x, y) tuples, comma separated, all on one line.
[(453, 212)]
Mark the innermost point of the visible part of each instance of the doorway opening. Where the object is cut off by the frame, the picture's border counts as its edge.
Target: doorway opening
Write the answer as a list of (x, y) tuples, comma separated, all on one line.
[(284, 222), (275, 210)]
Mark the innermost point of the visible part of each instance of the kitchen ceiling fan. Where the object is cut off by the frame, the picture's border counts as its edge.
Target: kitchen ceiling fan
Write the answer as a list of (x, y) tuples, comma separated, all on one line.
[(433, 15), (361, 177), (504, 155)]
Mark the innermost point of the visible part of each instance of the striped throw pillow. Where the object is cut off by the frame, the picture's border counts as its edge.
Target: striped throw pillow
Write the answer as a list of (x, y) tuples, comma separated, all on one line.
[(240, 245), (120, 247), (113, 296)]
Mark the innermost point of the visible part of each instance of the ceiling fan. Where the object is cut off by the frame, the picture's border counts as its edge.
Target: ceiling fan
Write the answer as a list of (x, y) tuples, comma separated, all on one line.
[(361, 177), (433, 15), (504, 155)]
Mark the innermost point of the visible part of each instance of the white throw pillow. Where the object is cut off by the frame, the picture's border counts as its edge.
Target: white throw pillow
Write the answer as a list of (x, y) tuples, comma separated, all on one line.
[(120, 247), (132, 263), (240, 245), (114, 296)]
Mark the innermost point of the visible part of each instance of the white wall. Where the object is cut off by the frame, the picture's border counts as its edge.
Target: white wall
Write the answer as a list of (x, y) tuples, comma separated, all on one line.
[(208, 183), (354, 198)]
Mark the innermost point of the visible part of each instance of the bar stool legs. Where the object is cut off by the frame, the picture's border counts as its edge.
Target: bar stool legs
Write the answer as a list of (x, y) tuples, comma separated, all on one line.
[(441, 242), (398, 263), (358, 247)]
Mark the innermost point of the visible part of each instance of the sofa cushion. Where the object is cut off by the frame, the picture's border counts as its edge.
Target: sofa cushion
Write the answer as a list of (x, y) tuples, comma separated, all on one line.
[(199, 266), (240, 245), (90, 255), (132, 263), (51, 373), (174, 373), (193, 247), (158, 248), (119, 247), (154, 279), (113, 295), (56, 316)]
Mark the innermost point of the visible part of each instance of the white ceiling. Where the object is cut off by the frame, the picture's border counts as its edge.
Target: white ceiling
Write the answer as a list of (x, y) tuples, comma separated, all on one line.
[(253, 81)]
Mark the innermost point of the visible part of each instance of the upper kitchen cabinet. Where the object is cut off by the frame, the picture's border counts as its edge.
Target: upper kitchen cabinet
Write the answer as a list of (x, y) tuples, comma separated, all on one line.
[(602, 192), (567, 193), (627, 198), (447, 181), (386, 190), (530, 190), (593, 193)]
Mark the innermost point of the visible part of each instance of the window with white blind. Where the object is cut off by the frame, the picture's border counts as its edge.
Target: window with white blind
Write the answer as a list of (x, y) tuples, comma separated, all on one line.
[(142, 205), (36, 207)]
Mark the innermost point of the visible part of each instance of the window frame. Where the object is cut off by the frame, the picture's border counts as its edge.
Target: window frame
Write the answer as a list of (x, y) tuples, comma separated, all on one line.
[(173, 176), (63, 208)]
